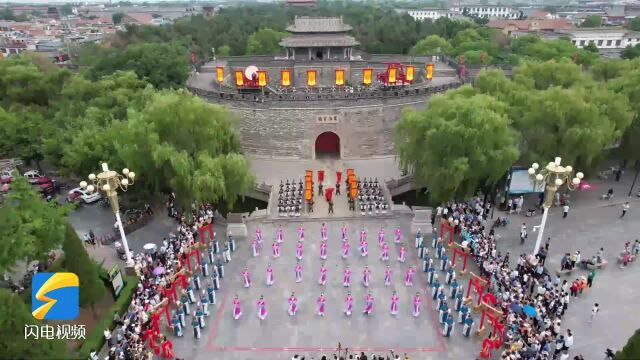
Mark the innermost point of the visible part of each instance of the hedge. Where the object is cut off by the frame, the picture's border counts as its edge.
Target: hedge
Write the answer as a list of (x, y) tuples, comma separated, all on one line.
[(95, 339)]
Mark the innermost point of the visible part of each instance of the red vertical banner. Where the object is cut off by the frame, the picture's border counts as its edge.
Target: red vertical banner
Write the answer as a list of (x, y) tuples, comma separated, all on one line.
[(338, 176), (320, 176), (193, 58), (328, 194)]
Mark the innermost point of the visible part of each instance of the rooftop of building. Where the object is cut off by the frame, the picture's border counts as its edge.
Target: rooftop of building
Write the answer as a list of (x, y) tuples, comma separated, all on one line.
[(319, 40), (305, 24), (540, 24)]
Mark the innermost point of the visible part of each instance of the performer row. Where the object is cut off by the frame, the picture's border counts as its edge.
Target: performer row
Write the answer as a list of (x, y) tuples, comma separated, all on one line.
[(322, 279), (324, 234), (321, 305)]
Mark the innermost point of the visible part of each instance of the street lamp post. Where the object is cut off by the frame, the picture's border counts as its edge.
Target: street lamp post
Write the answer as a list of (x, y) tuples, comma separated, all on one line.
[(553, 176), (109, 181)]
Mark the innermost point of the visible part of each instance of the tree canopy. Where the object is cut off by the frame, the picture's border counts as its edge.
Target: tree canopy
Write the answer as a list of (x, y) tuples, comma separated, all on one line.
[(265, 42), (431, 45), (31, 227), (591, 21), (462, 141)]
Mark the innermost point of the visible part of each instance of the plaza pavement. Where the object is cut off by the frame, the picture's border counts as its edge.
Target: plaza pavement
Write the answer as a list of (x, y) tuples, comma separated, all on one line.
[(591, 223)]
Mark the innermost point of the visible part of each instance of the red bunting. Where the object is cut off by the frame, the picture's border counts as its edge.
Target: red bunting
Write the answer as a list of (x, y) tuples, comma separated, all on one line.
[(338, 176), (328, 194)]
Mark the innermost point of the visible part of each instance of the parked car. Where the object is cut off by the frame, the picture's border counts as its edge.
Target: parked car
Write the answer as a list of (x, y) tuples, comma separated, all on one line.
[(84, 195), (33, 176)]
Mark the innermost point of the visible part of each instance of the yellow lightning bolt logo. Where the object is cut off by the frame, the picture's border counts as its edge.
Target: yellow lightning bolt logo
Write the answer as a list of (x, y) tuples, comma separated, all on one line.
[(56, 281)]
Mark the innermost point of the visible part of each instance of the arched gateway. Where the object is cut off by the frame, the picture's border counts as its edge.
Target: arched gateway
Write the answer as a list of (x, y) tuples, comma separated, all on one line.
[(328, 145)]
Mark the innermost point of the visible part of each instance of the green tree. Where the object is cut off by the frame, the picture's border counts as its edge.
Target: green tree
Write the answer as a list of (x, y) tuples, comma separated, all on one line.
[(31, 227), (117, 17), (265, 42), (223, 51), (162, 65), (542, 75), (77, 261), (634, 24), (591, 21), (631, 52), (431, 45), (628, 84), (536, 48), (13, 320), (485, 145), (631, 350), (21, 134), (591, 47)]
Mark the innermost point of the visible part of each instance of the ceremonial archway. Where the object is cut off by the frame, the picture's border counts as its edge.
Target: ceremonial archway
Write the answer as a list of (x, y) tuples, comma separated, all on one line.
[(328, 145)]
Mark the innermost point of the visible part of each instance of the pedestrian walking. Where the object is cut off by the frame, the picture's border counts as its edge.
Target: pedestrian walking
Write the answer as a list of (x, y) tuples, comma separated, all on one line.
[(594, 310), (590, 277), (625, 208), (565, 210), (523, 233)]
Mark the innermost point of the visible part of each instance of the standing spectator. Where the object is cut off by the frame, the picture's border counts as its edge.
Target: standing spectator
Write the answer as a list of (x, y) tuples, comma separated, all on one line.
[(594, 310), (523, 233), (590, 277), (625, 208), (565, 210), (568, 340)]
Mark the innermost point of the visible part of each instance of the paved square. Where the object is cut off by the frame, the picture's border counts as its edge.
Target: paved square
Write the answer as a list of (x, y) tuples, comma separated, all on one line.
[(307, 331)]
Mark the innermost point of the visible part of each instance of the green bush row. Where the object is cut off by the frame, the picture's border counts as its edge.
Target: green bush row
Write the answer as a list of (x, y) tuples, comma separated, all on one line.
[(95, 339)]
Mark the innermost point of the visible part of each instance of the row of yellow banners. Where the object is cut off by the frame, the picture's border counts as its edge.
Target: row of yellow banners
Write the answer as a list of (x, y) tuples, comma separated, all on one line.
[(312, 76)]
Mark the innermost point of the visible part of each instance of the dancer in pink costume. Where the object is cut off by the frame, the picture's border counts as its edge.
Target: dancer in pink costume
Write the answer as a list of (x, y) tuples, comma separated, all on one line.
[(346, 278), (269, 275), (259, 235), (301, 233), (254, 248), (363, 234), (279, 234), (236, 308), (298, 270), (385, 252), (247, 279), (321, 304), (293, 305), (299, 250), (323, 232), (417, 301), (323, 275), (408, 279), (381, 237), (402, 254), (394, 304), (323, 250), (364, 247), (262, 308), (344, 232), (276, 249), (368, 304), (345, 249), (398, 235), (348, 304), (366, 276), (387, 276)]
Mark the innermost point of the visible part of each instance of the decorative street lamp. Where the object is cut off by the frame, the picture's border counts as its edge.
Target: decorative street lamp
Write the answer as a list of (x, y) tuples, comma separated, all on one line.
[(109, 181), (554, 176)]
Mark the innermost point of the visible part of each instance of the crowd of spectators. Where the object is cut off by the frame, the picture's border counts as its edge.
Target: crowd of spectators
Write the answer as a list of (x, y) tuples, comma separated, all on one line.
[(537, 337)]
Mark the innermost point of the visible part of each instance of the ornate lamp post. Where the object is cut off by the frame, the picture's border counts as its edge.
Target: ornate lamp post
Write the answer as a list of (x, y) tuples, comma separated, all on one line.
[(109, 181), (553, 176)]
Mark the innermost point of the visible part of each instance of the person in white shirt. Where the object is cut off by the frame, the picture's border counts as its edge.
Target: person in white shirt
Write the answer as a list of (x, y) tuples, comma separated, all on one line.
[(565, 211), (564, 355), (594, 310), (568, 340)]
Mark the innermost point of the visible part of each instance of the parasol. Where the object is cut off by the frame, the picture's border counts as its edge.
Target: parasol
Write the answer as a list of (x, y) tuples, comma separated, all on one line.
[(529, 311), (149, 246), (515, 308), (158, 271), (585, 186)]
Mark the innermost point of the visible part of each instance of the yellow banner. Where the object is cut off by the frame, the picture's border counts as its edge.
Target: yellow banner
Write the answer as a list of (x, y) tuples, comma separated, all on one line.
[(262, 78), (429, 71), (392, 75), (220, 74), (339, 77), (410, 71), (367, 76), (311, 78), (285, 77), (239, 78)]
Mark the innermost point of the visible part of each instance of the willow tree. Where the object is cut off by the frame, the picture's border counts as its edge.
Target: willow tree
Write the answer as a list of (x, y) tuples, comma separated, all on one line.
[(461, 142), (179, 142)]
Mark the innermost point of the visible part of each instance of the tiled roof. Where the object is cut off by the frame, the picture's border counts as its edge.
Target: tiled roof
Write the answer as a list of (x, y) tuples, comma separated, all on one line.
[(545, 25), (324, 40), (141, 18), (306, 24)]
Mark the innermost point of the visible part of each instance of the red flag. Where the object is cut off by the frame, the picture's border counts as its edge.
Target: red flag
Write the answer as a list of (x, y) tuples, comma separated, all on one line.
[(321, 176), (338, 176), (328, 194)]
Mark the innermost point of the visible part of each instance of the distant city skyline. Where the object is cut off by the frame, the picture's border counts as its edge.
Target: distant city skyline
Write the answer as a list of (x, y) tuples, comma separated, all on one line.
[(98, 2)]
